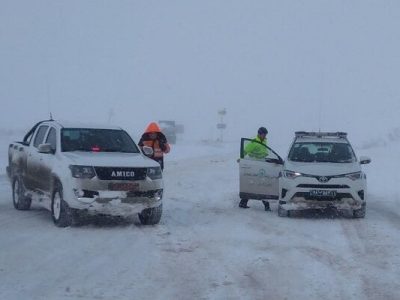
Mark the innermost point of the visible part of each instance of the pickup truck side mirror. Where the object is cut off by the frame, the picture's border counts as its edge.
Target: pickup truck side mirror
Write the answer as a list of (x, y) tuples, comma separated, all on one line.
[(45, 148), (364, 160), (148, 151)]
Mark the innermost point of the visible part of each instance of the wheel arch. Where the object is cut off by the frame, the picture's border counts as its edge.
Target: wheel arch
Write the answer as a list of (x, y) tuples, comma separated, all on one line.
[(55, 182)]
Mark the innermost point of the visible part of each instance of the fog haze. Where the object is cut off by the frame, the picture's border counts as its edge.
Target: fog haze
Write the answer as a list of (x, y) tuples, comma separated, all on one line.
[(286, 65), (329, 65)]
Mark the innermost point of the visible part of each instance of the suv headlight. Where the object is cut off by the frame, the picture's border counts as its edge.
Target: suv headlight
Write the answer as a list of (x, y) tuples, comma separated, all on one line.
[(353, 176), (291, 174), (82, 171), (154, 173)]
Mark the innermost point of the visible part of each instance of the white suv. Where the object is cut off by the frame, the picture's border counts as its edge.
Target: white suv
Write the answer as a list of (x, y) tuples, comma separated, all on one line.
[(321, 171)]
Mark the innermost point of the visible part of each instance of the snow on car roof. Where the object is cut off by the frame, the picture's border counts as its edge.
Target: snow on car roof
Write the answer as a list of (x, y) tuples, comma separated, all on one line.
[(320, 137), (320, 140)]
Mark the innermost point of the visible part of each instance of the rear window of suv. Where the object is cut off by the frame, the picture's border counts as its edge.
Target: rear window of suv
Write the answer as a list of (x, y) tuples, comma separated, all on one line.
[(321, 152), (97, 140)]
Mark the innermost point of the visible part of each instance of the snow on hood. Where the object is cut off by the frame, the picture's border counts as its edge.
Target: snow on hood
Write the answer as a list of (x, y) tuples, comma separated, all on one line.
[(322, 169), (109, 159)]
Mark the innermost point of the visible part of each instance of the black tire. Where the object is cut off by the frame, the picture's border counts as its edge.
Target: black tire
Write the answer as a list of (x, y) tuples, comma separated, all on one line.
[(62, 215), (20, 201), (283, 212), (151, 216), (360, 213)]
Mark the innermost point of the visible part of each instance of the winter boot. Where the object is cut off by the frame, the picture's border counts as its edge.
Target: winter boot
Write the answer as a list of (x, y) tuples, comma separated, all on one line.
[(266, 206), (243, 203)]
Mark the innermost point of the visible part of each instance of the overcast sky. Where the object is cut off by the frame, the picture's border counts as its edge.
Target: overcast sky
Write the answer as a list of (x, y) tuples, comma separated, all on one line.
[(286, 65)]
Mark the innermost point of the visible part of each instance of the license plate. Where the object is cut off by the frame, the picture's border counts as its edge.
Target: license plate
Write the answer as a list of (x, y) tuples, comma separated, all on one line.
[(125, 186), (323, 193)]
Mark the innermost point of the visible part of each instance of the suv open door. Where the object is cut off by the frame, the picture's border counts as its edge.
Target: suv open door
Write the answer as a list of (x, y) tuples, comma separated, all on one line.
[(259, 177)]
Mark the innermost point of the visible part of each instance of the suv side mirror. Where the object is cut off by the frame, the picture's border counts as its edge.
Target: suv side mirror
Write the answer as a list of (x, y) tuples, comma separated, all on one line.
[(45, 148), (364, 160), (148, 151)]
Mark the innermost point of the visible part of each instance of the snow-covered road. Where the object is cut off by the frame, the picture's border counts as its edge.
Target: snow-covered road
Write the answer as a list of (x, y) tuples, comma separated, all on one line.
[(204, 248)]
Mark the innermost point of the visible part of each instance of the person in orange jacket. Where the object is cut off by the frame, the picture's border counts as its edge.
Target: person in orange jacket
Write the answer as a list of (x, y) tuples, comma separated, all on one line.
[(154, 138)]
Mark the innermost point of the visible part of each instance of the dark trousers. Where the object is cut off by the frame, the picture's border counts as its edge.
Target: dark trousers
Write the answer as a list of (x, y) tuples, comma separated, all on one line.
[(243, 204), (160, 160)]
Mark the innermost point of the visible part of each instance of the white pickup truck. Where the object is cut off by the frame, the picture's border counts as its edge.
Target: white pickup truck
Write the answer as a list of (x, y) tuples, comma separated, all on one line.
[(73, 169)]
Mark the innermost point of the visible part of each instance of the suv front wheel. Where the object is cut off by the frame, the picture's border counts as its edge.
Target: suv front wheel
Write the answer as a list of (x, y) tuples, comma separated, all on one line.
[(283, 212), (360, 213)]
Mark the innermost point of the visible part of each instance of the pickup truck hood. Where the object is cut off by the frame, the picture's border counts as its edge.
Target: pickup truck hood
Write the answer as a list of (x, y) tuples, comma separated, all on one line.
[(322, 169), (109, 159)]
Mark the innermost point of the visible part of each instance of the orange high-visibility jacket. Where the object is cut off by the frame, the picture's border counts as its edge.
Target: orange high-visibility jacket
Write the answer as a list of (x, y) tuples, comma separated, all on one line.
[(160, 144)]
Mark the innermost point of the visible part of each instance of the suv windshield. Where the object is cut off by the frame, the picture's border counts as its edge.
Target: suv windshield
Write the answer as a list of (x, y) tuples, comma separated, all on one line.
[(98, 140), (321, 152)]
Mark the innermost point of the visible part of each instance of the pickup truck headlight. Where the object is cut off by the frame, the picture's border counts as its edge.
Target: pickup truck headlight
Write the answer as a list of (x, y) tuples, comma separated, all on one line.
[(82, 171), (154, 173), (353, 176), (291, 174)]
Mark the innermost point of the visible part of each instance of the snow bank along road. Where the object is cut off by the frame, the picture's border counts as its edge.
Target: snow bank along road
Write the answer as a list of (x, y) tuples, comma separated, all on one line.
[(205, 247)]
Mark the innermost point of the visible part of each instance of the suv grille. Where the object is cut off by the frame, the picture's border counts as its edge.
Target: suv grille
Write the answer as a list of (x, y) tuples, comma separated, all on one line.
[(113, 173), (324, 186), (339, 196)]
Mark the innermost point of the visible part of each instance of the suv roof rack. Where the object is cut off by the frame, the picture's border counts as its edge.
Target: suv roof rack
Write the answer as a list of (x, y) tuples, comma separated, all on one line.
[(338, 134)]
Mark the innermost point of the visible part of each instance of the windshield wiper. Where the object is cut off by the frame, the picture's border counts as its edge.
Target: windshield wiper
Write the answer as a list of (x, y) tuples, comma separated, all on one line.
[(344, 161), (118, 150), (80, 149)]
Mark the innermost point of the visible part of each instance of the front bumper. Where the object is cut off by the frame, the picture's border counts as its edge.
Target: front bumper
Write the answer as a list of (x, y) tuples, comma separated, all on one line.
[(295, 193), (94, 196), (119, 203)]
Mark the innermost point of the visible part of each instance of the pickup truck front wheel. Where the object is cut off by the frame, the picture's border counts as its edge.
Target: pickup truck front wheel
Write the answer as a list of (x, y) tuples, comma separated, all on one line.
[(151, 216), (60, 211), (21, 202)]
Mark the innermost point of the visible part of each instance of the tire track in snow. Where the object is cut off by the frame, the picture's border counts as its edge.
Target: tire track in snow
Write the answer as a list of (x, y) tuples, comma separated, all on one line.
[(205, 248), (193, 202), (373, 251), (256, 273), (380, 206)]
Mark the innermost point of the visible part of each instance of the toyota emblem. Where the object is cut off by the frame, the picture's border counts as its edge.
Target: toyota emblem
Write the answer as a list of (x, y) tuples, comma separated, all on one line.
[(323, 179)]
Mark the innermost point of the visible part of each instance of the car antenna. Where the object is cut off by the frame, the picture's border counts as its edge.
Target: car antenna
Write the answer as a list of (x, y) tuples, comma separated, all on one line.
[(321, 99), (48, 97), (319, 115)]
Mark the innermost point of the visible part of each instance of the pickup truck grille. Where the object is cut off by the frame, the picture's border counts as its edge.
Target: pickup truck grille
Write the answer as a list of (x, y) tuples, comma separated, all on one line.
[(114, 173)]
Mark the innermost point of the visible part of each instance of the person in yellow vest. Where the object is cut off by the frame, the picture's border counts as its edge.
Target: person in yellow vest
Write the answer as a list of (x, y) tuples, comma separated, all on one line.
[(154, 138), (257, 149)]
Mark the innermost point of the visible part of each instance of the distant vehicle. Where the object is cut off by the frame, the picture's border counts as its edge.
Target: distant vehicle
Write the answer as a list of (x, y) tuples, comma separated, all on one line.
[(72, 169), (321, 171), (169, 129)]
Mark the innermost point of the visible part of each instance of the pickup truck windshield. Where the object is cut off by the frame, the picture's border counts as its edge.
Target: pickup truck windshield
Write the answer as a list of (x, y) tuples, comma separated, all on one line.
[(321, 152), (96, 140)]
